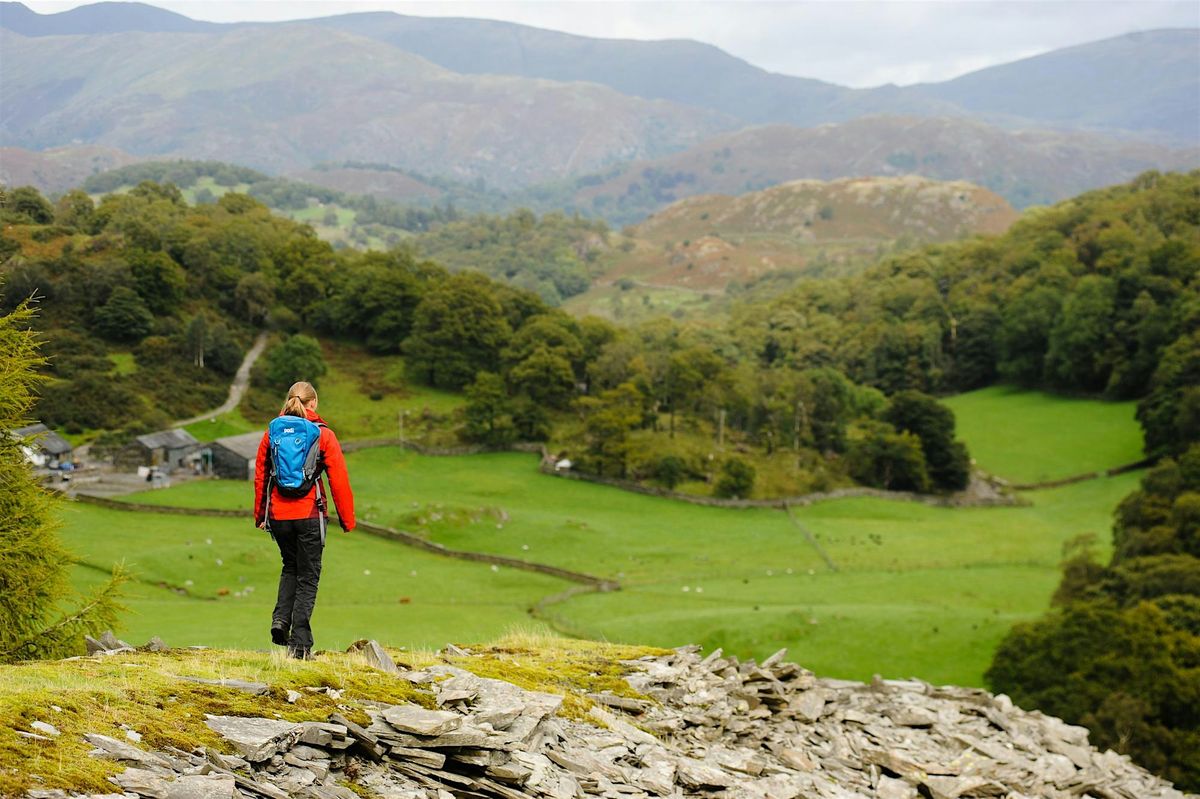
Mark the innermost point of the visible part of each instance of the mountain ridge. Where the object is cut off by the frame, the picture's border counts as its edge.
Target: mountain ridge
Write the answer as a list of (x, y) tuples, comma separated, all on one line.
[(1158, 71), (244, 97), (1027, 168)]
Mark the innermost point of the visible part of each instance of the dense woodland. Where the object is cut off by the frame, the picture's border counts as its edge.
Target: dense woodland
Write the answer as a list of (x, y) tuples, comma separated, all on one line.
[(836, 378), (1120, 651)]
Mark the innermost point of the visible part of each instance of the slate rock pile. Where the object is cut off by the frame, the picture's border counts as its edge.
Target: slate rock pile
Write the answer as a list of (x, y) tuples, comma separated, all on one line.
[(710, 726)]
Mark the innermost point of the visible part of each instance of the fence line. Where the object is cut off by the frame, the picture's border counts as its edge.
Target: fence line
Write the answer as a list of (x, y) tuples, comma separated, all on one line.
[(1079, 478), (812, 539)]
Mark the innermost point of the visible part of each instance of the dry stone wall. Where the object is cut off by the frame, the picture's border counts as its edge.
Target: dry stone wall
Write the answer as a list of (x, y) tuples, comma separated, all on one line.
[(707, 727)]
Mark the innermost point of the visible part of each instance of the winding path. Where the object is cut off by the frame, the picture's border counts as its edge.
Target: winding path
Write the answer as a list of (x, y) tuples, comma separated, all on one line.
[(237, 388)]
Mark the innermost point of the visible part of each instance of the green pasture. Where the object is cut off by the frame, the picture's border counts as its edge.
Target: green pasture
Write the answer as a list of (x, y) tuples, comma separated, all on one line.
[(212, 581), (917, 591), (1032, 436)]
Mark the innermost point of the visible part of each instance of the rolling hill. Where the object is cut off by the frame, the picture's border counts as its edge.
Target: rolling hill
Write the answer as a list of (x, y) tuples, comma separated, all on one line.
[(98, 18), (59, 169), (1026, 168), (693, 250), (282, 98), (1146, 82)]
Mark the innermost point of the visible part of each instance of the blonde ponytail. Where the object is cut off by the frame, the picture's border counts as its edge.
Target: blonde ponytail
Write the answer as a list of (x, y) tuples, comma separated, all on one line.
[(299, 395)]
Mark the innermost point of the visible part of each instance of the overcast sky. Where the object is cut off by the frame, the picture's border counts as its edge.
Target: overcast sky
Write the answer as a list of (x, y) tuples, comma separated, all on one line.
[(851, 43)]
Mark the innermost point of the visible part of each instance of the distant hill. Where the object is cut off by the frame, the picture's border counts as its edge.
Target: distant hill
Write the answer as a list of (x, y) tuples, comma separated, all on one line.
[(98, 18), (1025, 168), (1147, 83), (57, 170), (285, 97), (806, 228), (678, 70)]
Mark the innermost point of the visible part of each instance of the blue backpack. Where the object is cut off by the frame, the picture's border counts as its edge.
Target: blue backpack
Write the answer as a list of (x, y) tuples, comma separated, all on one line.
[(295, 454)]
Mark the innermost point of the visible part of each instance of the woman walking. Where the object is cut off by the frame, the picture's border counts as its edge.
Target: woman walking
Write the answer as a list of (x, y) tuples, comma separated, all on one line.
[(290, 502)]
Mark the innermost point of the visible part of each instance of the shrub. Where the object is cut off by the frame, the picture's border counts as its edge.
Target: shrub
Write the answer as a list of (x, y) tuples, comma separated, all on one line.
[(297, 358), (883, 458), (670, 470), (736, 480)]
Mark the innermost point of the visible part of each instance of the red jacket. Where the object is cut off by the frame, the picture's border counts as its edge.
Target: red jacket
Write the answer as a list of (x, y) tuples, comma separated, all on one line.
[(306, 507)]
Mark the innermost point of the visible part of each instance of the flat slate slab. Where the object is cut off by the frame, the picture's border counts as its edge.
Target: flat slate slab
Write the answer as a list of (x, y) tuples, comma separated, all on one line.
[(255, 739), (419, 721)]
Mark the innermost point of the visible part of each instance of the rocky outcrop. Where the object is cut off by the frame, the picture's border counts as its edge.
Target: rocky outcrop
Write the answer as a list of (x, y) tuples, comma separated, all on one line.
[(698, 726)]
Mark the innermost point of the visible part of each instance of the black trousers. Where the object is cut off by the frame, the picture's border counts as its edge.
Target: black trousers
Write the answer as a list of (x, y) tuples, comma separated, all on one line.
[(301, 543)]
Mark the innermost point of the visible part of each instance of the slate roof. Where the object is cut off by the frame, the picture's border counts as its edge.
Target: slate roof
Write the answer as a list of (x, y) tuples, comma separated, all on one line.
[(167, 439), (245, 444), (47, 440)]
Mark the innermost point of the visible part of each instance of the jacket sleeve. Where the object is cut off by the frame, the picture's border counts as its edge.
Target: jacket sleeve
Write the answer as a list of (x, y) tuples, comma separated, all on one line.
[(339, 479), (260, 481)]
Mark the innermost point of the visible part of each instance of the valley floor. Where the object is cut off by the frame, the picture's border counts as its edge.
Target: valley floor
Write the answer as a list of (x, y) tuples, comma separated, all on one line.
[(917, 590)]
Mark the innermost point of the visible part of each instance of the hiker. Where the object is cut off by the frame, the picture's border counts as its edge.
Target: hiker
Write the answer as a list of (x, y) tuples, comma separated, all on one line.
[(290, 503)]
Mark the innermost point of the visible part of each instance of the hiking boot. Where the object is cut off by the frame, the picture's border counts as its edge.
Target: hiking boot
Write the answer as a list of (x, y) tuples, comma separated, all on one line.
[(279, 635), (300, 653)]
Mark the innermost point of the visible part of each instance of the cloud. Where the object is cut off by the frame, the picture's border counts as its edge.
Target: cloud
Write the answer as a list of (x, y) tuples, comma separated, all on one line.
[(848, 42)]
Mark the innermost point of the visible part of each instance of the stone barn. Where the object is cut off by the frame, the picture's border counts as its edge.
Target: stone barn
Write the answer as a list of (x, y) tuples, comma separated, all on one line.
[(233, 456), (47, 449), (167, 449)]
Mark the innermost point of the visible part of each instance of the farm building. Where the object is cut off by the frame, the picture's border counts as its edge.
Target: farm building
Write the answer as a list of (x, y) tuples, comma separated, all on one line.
[(233, 456), (47, 449), (166, 448)]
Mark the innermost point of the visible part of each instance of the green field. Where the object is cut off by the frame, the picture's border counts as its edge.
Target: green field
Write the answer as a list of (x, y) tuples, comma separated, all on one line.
[(369, 588), (932, 588), (918, 590), (1031, 436)]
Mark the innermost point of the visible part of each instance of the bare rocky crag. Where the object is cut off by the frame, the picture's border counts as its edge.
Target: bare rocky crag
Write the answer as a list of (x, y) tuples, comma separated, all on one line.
[(710, 726)]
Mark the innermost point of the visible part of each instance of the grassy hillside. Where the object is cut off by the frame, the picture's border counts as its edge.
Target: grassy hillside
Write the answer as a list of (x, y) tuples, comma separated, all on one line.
[(804, 228), (934, 589), (58, 169), (938, 616), (919, 590)]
